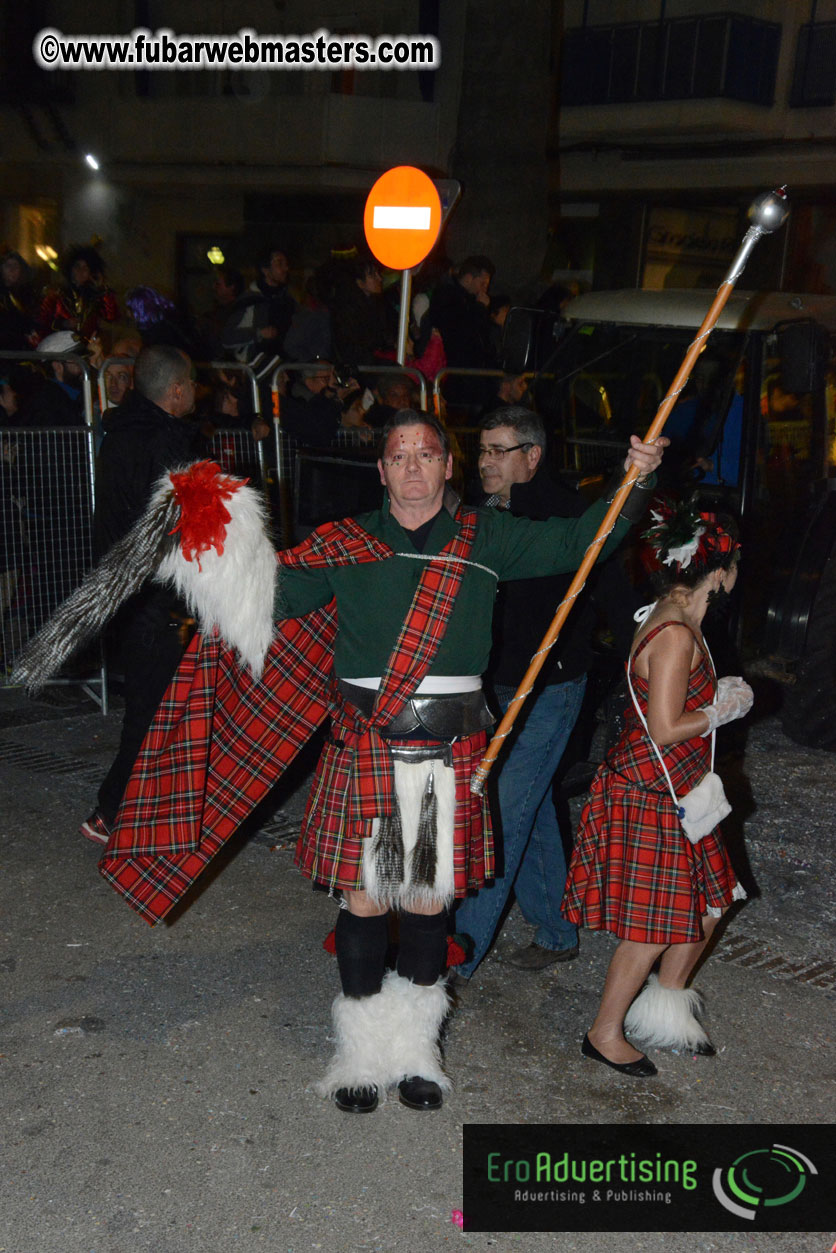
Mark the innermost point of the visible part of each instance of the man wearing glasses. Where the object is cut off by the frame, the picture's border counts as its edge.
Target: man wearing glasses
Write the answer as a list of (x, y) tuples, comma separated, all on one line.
[(515, 479), (391, 824), (311, 412)]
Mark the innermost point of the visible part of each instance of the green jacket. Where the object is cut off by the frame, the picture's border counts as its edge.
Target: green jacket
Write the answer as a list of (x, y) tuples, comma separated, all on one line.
[(373, 598)]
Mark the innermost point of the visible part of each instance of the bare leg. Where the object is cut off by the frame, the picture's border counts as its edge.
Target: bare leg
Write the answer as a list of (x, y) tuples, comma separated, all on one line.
[(630, 965), (362, 904), (680, 959)]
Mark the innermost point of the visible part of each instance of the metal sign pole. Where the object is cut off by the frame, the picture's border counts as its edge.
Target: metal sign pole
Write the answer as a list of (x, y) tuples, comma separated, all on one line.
[(403, 324)]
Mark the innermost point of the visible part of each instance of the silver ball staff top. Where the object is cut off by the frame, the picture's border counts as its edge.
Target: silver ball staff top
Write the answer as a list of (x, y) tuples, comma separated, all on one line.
[(770, 210)]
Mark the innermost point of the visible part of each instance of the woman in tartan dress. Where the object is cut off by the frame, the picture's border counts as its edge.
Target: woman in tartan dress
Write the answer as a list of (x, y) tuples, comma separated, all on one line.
[(634, 872)]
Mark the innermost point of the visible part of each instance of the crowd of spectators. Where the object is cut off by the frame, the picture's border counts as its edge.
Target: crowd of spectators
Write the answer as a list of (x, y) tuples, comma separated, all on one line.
[(321, 345), (340, 317)]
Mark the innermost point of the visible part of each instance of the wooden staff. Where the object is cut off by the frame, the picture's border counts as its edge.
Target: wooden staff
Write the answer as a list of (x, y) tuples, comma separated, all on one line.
[(766, 214)]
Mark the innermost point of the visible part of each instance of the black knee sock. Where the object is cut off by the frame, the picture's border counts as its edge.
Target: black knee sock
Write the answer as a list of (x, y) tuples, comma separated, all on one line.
[(361, 945), (422, 955)]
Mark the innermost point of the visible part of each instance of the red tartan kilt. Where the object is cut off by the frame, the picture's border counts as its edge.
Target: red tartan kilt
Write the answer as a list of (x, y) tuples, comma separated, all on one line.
[(329, 853), (634, 873)]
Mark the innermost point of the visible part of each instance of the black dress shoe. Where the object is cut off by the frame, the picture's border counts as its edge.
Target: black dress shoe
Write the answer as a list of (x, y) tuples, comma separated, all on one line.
[(356, 1100), (418, 1093), (641, 1069)]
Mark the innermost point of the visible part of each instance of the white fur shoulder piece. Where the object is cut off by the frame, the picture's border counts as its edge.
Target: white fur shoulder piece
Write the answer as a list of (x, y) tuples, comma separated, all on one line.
[(231, 591)]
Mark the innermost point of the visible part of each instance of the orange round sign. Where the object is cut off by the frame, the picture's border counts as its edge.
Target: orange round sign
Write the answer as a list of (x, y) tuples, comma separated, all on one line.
[(402, 217)]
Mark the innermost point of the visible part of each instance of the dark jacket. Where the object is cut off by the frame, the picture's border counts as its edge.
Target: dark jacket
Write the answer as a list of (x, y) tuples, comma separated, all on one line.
[(465, 327), (525, 607), (311, 420), (255, 309), (17, 318), (363, 326), (141, 442), (52, 404), (280, 310)]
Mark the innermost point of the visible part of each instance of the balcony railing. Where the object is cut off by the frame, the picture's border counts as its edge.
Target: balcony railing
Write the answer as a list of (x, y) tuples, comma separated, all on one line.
[(715, 55)]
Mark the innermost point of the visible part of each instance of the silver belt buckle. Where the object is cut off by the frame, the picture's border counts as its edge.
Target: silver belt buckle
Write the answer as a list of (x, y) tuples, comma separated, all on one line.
[(423, 752)]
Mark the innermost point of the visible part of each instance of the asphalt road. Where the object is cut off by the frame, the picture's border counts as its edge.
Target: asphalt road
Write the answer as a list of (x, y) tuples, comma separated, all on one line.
[(155, 1081)]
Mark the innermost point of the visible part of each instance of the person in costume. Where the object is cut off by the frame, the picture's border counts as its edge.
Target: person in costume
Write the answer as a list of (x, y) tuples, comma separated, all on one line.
[(391, 823), (84, 302), (649, 863), (383, 625)]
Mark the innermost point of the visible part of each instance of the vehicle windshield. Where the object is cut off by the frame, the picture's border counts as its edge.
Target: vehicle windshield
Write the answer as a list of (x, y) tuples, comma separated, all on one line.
[(611, 380)]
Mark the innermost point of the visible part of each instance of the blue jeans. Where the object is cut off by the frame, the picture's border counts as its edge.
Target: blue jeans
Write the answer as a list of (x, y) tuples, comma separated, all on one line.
[(534, 860)]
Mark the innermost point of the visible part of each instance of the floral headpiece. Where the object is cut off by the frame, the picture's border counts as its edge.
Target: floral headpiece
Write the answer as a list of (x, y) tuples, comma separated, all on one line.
[(681, 535)]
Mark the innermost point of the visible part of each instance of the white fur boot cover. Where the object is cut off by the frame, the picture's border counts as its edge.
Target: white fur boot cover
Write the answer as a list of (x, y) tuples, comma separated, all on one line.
[(387, 1037), (417, 1013), (666, 1017), (361, 1059)]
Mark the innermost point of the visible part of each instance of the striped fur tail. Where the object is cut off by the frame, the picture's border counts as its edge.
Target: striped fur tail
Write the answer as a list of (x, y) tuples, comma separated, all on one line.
[(205, 534), (85, 613)]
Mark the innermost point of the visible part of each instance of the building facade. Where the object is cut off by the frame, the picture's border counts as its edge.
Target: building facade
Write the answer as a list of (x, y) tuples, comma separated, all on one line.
[(673, 115)]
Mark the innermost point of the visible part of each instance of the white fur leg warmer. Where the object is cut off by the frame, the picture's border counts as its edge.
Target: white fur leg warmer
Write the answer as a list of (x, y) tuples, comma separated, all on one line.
[(387, 1037), (666, 1017), (416, 1017), (361, 1058)]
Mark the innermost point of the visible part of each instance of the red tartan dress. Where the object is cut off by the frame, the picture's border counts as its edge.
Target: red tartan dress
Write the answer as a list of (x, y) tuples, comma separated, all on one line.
[(633, 871)]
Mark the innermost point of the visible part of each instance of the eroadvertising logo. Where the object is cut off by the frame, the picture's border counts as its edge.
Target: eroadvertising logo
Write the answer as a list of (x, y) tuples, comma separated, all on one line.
[(613, 1177), (762, 1177)]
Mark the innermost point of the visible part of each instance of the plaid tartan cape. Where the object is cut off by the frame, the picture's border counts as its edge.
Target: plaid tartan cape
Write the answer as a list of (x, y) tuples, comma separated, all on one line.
[(221, 739)]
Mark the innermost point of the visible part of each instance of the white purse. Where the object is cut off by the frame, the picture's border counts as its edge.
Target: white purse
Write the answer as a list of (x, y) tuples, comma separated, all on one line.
[(705, 805)]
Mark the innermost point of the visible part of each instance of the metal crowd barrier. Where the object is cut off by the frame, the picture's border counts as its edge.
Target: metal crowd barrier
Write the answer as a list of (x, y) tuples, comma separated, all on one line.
[(461, 372), (285, 478), (47, 493), (464, 439), (589, 455), (234, 449), (294, 461)]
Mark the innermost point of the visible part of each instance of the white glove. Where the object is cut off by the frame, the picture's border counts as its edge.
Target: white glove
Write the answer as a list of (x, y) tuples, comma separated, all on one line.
[(733, 699)]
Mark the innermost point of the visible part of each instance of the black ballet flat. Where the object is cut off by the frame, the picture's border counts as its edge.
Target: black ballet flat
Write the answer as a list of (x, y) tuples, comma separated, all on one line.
[(356, 1100), (705, 1049), (641, 1069)]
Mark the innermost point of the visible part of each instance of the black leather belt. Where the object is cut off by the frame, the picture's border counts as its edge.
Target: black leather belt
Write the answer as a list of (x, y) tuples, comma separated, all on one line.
[(445, 717)]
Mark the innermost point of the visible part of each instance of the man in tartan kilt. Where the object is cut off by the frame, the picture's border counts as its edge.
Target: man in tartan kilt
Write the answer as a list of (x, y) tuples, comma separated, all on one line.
[(385, 626), (391, 824)]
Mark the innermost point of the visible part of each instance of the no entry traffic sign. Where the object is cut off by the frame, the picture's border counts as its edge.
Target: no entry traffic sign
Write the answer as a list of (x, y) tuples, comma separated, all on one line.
[(402, 217)]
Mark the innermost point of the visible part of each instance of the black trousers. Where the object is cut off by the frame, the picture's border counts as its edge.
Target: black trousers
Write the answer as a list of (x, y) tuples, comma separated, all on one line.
[(151, 649)]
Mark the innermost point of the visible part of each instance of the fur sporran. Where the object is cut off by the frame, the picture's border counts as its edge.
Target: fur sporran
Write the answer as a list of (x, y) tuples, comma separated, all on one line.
[(703, 808)]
